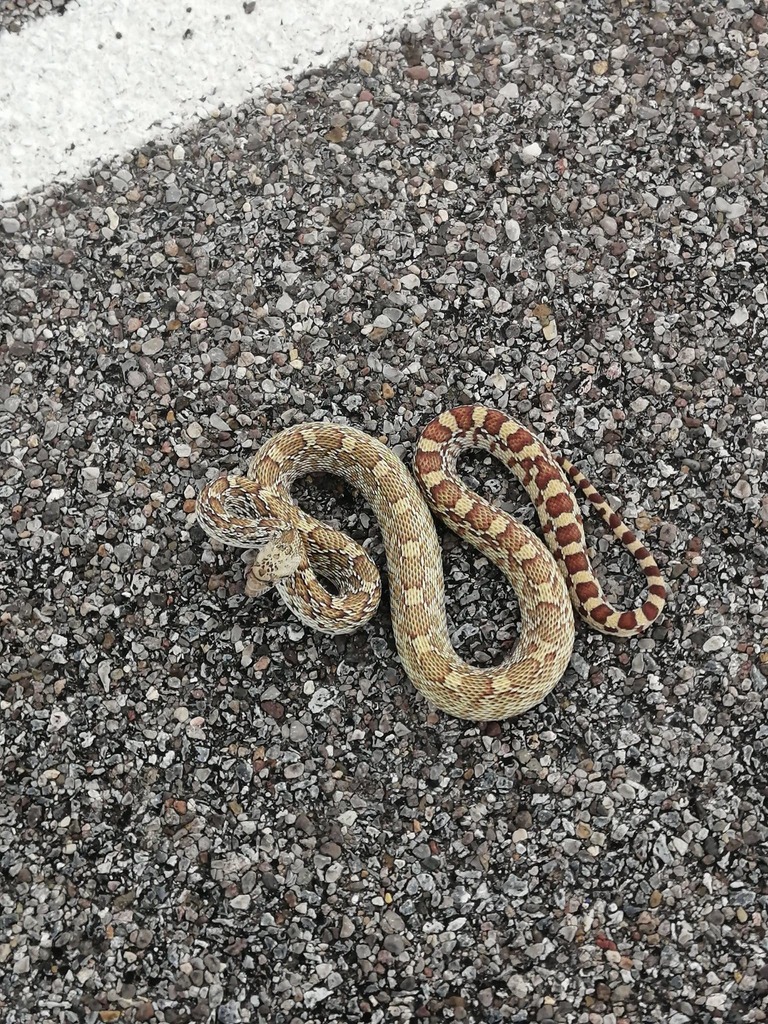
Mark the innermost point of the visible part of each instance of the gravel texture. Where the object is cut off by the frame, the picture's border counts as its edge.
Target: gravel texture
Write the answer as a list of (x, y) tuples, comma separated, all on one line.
[(15, 14), (146, 69), (209, 813)]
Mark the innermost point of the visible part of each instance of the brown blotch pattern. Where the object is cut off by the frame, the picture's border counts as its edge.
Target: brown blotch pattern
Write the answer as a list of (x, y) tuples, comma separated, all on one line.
[(437, 432), (519, 440), (569, 534), (545, 474), (428, 462), (587, 591), (446, 493), (559, 504), (464, 415), (627, 620), (494, 421), (602, 613), (577, 563), (650, 610), (480, 517)]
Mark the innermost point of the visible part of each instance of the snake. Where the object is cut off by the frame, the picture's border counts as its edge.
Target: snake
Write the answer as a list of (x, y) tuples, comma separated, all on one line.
[(331, 584)]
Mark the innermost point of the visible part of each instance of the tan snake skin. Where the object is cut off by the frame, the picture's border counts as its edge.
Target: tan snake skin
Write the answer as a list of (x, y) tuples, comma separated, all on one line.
[(297, 551)]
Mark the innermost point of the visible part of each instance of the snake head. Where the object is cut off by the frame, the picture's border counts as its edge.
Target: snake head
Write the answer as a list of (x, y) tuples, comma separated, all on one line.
[(231, 511), (276, 561)]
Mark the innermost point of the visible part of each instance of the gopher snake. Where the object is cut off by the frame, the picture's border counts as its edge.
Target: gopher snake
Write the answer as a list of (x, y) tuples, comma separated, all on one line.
[(297, 551)]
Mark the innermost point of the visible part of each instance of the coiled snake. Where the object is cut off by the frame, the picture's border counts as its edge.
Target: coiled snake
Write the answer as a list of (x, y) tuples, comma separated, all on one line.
[(297, 551)]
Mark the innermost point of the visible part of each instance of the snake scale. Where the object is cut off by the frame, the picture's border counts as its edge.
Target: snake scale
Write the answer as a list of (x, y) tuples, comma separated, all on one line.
[(298, 554)]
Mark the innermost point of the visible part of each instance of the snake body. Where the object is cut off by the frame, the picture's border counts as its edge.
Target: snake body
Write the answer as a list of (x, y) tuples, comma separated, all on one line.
[(298, 554)]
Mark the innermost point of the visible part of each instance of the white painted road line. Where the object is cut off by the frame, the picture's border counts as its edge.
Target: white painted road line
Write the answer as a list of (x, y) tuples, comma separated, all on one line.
[(110, 74)]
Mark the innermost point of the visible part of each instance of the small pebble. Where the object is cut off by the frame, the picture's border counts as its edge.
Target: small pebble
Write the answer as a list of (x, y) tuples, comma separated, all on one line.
[(531, 153)]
